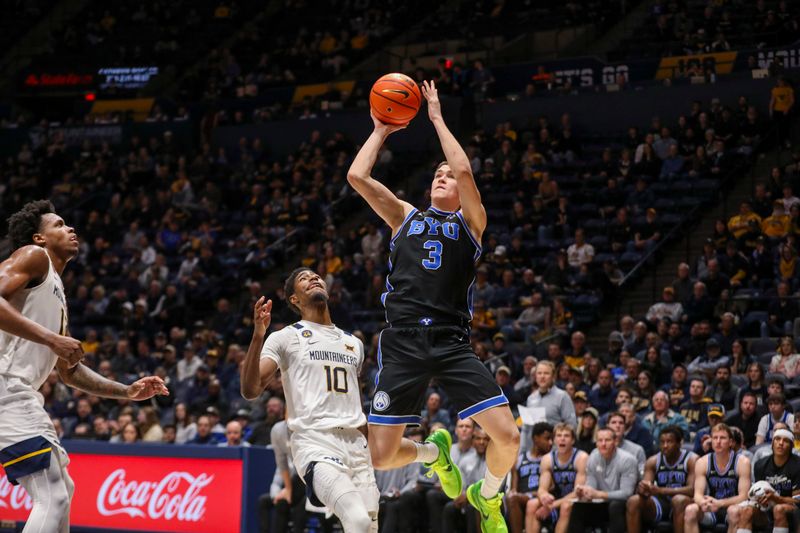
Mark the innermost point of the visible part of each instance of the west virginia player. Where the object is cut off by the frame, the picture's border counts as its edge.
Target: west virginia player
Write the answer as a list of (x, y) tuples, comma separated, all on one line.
[(33, 340), (319, 366)]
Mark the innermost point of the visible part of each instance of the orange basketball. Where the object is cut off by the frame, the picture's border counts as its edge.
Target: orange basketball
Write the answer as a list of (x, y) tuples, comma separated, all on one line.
[(395, 99)]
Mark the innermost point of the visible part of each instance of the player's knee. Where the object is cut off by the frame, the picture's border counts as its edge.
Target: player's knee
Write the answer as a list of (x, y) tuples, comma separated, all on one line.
[(680, 501), (566, 508), (633, 503), (692, 513), (58, 502), (358, 521), (532, 505), (381, 457)]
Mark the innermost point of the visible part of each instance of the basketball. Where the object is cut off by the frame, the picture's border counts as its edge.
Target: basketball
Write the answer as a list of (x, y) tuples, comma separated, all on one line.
[(395, 99)]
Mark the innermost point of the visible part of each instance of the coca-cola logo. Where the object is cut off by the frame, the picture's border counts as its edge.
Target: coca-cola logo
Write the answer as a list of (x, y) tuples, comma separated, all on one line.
[(13, 496), (175, 496)]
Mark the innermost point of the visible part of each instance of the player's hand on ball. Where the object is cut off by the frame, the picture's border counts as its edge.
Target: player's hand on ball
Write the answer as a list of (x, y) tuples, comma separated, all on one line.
[(432, 96), (262, 315), (385, 129), (146, 388), (67, 348)]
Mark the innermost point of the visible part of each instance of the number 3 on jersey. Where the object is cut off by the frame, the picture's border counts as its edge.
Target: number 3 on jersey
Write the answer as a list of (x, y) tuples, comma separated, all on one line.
[(434, 260)]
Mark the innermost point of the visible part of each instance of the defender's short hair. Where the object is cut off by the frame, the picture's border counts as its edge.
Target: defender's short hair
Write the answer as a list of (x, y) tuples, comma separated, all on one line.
[(26, 222)]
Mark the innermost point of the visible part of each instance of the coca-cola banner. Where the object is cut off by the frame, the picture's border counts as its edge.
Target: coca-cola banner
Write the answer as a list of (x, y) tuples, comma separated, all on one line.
[(202, 491)]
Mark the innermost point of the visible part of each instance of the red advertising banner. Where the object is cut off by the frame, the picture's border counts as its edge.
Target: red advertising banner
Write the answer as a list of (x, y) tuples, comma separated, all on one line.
[(145, 493)]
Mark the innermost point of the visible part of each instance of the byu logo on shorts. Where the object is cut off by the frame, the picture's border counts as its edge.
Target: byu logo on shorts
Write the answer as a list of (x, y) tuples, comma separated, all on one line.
[(381, 401)]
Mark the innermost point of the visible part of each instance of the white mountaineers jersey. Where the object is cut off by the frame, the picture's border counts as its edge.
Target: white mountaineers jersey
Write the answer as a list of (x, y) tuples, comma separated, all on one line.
[(45, 304), (319, 369)]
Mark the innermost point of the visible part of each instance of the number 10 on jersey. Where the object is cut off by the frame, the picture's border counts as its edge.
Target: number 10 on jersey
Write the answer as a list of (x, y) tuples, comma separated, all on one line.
[(336, 378)]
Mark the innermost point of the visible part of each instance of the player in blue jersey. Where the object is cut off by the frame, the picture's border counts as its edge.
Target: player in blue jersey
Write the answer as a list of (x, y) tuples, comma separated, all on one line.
[(667, 486), (428, 303), (525, 475), (721, 481), (560, 472)]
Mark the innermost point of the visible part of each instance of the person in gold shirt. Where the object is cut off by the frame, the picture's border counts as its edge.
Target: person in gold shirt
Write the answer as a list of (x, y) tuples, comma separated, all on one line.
[(781, 104), (738, 224), (777, 225)]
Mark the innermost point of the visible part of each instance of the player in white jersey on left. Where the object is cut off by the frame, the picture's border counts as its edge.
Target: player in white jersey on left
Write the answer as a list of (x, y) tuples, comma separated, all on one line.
[(319, 366), (34, 338)]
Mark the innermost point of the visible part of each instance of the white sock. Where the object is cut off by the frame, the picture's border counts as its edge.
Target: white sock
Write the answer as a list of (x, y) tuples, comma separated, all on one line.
[(780, 530), (427, 452), (740, 530), (491, 485)]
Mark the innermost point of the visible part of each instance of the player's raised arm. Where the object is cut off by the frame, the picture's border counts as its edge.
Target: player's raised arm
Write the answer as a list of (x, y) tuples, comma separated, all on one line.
[(258, 371), (383, 201), (28, 265), (457, 160)]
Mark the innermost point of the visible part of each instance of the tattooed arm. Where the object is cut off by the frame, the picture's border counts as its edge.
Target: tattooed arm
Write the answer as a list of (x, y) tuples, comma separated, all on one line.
[(87, 380)]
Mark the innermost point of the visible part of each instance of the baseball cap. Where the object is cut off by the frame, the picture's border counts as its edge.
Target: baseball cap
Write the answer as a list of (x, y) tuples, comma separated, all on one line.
[(505, 369), (591, 411), (500, 250), (669, 290), (580, 395), (211, 410), (242, 413), (498, 336), (716, 409), (712, 343)]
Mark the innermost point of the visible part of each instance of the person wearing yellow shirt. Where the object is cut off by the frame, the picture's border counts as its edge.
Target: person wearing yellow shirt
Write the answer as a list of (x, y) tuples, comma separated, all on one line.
[(777, 225), (91, 343), (738, 224), (781, 103)]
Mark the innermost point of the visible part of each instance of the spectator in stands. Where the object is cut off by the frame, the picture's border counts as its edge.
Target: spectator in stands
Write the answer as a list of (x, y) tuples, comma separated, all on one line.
[(262, 431), (616, 422), (639, 341), (788, 268), (185, 428), (702, 441), (578, 354), (611, 476), (149, 425), (781, 103), (662, 416), (715, 280), (433, 412), (131, 433), (556, 403), (668, 307), (786, 361), (738, 224), (534, 318), (648, 233), (672, 164), (756, 384), (710, 361), (602, 395), (782, 312), (778, 224), (233, 436), (683, 284), (204, 435), (678, 387), (580, 252), (525, 475), (700, 306), (634, 430), (694, 409), (721, 390), (523, 385), (776, 406), (747, 418), (588, 425)]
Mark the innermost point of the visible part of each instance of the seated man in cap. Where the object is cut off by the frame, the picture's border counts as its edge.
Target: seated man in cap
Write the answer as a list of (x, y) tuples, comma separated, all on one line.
[(702, 440), (708, 363), (667, 308)]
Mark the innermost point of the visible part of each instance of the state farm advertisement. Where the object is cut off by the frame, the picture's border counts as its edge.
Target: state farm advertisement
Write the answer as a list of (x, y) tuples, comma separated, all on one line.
[(144, 493)]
